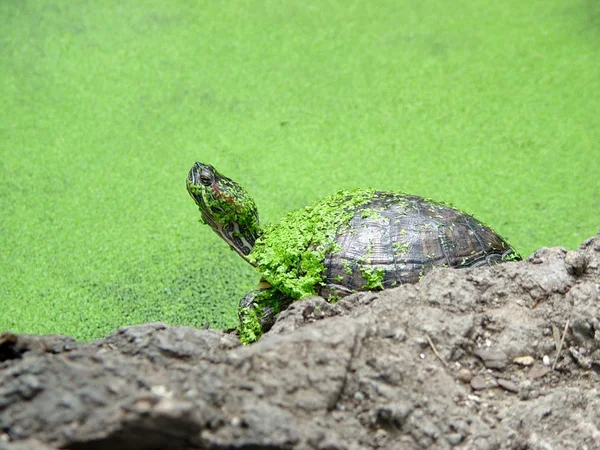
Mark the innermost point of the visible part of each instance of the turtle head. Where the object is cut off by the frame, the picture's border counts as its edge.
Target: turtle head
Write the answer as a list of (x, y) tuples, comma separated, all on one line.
[(225, 206)]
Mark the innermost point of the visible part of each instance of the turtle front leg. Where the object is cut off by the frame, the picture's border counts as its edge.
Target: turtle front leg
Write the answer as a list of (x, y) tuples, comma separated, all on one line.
[(258, 310)]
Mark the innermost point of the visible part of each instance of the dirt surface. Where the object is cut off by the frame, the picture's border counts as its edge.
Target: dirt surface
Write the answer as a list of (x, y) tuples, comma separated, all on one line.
[(506, 357)]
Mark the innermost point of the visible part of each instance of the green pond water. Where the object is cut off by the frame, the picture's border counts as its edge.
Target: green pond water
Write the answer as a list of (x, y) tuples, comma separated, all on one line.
[(105, 105)]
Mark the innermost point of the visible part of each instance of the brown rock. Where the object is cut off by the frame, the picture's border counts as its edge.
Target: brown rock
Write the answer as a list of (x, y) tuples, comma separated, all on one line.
[(507, 385), (478, 383), (358, 374), (538, 371), (576, 263), (464, 375), (492, 359)]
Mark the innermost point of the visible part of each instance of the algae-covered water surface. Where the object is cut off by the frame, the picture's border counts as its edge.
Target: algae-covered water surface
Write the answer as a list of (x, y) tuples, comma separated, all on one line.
[(105, 105)]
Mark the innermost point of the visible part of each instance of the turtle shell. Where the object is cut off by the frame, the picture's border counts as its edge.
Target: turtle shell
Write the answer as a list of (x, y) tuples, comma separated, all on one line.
[(366, 239), (394, 239)]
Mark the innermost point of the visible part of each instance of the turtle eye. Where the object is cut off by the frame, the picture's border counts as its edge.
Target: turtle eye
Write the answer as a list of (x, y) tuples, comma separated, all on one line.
[(206, 178)]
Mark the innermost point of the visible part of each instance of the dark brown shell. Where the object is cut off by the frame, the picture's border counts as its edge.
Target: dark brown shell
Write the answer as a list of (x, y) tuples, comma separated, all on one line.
[(402, 237)]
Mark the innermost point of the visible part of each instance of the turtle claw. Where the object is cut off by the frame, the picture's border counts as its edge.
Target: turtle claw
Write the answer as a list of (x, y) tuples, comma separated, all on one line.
[(257, 312), (254, 300)]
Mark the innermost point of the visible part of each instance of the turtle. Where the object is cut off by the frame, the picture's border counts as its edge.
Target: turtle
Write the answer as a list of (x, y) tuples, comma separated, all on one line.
[(353, 240)]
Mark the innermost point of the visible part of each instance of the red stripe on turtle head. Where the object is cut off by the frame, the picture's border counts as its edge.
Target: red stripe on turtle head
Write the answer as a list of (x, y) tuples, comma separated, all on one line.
[(228, 198)]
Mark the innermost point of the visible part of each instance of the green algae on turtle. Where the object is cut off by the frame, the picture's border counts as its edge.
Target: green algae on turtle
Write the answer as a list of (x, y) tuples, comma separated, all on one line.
[(373, 277), (353, 240), (290, 254), (249, 329)]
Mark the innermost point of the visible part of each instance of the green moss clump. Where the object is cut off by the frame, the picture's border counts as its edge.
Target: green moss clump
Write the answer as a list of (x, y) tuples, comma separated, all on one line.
[(370, 213), (513, 256), (263, 306), (347, 267), (249, 329), (290, 254), (373, 277), (401, 248)]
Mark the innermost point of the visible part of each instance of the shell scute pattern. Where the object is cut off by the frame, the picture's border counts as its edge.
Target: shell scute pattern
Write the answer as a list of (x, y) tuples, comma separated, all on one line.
[(403, 237)]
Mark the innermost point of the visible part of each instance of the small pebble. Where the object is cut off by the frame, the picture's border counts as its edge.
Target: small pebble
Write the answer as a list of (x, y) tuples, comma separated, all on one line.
[(575, 263), (474, 398), (524, 360), (492, 359), (538, 371), (454, 438), (161, 391), (546, 360), (464, 375), (508, 385), (478, 383), (359, 396), (337, 416)]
